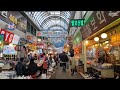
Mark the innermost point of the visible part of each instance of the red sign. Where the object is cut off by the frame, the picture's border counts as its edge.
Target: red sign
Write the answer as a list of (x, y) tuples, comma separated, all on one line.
[(8, 36), (39, 33)]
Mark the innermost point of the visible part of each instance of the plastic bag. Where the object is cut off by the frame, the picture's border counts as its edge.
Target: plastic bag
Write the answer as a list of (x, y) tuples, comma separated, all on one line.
[(53, 64), (43, 76)]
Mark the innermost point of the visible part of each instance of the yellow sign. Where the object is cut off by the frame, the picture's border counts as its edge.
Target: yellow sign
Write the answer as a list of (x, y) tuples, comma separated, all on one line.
[(14, 20), (31, 46), (115, 39)]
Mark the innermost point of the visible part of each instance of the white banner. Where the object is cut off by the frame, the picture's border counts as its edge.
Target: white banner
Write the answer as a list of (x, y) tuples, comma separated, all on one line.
[(51, 34), (16, 39)]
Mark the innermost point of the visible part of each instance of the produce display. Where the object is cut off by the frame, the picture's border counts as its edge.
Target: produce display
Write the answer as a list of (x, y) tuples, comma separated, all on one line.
[(7, 74), (107, 66)]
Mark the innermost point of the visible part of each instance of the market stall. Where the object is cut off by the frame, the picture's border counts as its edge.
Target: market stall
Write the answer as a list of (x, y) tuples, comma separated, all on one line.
[(100, 51)]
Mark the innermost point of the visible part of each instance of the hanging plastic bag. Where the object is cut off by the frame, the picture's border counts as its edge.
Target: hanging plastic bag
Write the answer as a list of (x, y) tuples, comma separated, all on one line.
[(43, 76)]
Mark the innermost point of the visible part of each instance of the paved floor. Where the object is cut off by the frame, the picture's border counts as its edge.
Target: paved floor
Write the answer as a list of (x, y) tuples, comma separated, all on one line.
[(66, 75)]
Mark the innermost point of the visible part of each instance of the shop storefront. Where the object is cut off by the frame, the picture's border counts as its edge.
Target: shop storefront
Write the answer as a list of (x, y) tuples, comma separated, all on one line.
[(14, 26), (10, 41), (100, 46), (77, 45)]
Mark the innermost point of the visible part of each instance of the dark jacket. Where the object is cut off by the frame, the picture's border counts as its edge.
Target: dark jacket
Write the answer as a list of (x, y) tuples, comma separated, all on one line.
[(60, 56), (20, 68), (32, 68), (64, 57)]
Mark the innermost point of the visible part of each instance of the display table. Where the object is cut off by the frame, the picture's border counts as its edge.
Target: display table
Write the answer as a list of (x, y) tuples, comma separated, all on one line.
[(104, 73), (6, 67)]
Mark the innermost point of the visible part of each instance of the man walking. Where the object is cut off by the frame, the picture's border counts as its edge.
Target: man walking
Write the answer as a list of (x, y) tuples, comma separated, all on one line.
[(64, 59)]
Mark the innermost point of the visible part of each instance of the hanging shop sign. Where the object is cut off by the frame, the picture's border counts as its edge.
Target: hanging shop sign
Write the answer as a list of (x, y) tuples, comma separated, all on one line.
[(9, 50), (8, 36), (30, 38), (40, 46), (78, 38), (16, 18), (97, 21), (16, 39), (31, 46), (77, 22), (18, 47), (22, 41), (115, 39), (11, 26), (51, 34)]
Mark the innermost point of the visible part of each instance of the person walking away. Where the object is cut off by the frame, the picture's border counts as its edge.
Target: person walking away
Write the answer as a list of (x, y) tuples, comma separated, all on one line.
[(45, 63), (40, 66), (72, 64), (64, 59), (35, 56), (56, 58), (32, 68), (30, 56), (39, 57), (45, 66), (53, 61), (50, 60), (20, 68)]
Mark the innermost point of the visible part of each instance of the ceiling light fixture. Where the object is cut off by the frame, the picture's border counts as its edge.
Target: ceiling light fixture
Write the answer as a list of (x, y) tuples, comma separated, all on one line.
[(96, 39), (103, 35)]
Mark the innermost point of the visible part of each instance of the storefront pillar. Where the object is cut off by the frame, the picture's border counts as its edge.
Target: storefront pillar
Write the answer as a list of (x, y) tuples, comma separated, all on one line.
[(84, 56)]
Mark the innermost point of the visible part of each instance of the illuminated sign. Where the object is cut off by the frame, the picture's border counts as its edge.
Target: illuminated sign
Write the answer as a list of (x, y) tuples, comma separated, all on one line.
[(77, 22), (115, 39)]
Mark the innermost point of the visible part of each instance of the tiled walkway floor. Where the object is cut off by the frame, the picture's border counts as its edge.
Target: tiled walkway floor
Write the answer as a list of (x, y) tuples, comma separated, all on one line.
[(66, 75)]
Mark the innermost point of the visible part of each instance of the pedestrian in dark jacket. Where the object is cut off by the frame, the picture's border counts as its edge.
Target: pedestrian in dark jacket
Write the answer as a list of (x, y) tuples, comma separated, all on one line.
[(20, 68), (64, 59), (32, 68)]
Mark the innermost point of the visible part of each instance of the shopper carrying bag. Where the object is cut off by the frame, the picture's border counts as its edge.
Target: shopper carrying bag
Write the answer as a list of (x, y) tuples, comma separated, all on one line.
[(72, 64)]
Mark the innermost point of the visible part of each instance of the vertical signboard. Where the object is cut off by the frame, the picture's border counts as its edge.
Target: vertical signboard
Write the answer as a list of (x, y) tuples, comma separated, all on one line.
[(8, 36), (1, 44)]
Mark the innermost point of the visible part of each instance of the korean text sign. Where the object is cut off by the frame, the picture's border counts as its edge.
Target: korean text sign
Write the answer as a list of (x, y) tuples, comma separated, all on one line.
[(8, 36), (97, 21)]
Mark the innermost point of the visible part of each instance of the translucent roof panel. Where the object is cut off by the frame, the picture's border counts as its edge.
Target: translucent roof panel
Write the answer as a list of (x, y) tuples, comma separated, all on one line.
[(52, 20), (46, 19), (57, 28)]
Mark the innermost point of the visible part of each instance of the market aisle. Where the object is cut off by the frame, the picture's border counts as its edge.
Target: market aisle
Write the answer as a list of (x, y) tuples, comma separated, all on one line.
[(66, 75)]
